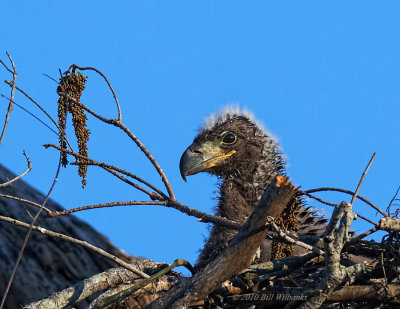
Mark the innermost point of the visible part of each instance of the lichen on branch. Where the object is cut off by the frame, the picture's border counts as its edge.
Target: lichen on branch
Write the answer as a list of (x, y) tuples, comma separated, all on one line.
[(72, 85)]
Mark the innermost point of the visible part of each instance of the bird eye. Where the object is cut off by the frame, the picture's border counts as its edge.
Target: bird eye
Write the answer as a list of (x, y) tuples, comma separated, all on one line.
[(229, 139)]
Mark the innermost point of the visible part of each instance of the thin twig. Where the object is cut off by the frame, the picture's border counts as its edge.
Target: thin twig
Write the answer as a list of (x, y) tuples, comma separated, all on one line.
[(24, 201), (76, 241), (316, 198), (122, 171), (104, 205), (365, 219), (152, 160), (347, 192), (33, 101), (150, 194), (31, 114), (11, 104), (74, 66), (392, 200), (332, 204), (19, 176), (5, 66), (362, 178), (41, 108), (108, 167), (203, 217)]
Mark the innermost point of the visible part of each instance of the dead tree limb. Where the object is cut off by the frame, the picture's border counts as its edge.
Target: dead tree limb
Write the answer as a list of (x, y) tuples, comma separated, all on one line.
[(334, 240), (120, 294), (97, 283), (389, 224)]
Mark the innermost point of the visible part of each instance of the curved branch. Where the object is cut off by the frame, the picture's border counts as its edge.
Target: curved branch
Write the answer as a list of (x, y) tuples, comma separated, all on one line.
[(19, 176), (152, 160), (335, 205), (74, 66), (24, 201), (322, 189)]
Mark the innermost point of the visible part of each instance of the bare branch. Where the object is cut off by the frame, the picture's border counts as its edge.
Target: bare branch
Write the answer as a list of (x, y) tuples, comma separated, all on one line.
[(41, 108), (335, 205), (6, 67), (19, 176), (104, 205), (11, 104), (316, 198), (109, 168), (99, 282), (203, 217), (74, 66), (104, 301), (347, 192), (24, 201), (362, 178), (104, 165)]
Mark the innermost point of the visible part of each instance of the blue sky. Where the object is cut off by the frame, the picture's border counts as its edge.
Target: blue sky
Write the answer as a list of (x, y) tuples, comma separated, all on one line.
[(323, 76)]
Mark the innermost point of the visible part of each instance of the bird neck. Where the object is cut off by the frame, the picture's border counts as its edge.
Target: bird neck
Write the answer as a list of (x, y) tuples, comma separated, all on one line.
[(241, 191)]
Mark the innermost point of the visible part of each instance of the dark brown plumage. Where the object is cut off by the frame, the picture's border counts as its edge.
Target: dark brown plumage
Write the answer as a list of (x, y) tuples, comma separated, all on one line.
[(246, 158)]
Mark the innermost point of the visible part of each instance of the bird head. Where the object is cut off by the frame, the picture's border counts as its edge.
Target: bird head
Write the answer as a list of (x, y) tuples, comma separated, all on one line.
[(230, 144)]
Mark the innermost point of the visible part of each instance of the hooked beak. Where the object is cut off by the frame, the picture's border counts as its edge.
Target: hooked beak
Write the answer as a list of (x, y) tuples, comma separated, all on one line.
[(194, 161)]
